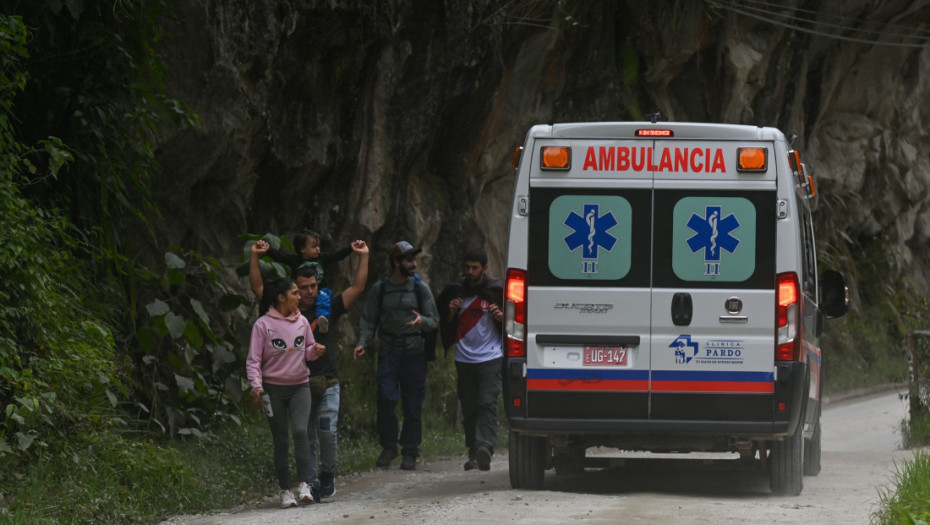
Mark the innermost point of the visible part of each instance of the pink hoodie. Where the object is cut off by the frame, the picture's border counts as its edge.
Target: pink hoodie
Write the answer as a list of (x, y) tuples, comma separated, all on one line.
[(279, 348)]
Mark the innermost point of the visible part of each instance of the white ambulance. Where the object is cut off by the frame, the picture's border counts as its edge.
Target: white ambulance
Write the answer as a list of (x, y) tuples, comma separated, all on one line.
[(663, 295)]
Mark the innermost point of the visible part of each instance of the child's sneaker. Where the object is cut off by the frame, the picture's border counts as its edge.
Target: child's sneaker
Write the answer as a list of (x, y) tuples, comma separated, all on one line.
[(322, 324), (287, 499), (303, 493)]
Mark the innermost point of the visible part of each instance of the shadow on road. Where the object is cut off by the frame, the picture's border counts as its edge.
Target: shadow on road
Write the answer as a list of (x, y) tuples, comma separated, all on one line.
[(695, 477)]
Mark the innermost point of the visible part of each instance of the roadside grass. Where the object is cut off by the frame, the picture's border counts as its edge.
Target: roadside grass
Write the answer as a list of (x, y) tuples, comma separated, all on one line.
[(909, 501), (125, 481)]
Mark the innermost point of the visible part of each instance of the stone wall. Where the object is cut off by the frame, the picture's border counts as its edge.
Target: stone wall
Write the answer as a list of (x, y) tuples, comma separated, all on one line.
[(398, 119)]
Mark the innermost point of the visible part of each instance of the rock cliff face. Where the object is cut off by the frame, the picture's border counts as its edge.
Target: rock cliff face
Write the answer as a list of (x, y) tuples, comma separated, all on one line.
[(398, 119)]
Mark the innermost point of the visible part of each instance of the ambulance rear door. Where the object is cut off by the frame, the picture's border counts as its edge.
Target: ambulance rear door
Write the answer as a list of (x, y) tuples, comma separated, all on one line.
[(713, 295), (588, 280)]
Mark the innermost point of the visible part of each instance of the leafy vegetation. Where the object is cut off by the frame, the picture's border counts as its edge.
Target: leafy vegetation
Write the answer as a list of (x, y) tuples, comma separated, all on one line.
[(120, 374), (909, 502)]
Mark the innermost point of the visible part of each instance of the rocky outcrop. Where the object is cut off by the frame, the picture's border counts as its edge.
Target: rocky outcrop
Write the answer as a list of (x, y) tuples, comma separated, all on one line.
[(389, 120)]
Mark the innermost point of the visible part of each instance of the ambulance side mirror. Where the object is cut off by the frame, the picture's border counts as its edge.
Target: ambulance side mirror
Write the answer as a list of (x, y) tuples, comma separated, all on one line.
[(834, 294)]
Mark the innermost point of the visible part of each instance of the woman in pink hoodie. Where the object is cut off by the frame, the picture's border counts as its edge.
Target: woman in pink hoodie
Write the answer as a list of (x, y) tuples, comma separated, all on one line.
[(282, 342)]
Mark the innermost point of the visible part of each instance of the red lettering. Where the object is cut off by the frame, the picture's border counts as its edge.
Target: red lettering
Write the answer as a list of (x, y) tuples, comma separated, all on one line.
[(695, 165), (623, 158), (590, 162), (639, 164), (681, 159), (719, 164), (652, 167), (665, 164), (606, 158)]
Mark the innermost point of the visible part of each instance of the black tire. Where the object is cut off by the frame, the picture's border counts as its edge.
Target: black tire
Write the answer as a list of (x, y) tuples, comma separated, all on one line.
[(785, 465), (527, 461), (812, 451)]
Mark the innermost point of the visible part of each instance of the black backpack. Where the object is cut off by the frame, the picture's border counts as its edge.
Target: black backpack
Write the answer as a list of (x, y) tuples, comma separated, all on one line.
[(429, 336)]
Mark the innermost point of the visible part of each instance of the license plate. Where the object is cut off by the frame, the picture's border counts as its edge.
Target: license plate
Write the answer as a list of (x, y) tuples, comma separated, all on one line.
[(605, 356)]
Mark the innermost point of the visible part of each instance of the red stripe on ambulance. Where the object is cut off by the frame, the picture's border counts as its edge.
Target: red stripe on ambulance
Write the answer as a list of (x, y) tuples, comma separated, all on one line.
[(625, 158)]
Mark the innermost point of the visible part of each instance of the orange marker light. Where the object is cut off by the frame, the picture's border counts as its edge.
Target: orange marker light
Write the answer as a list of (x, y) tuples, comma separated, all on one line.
[(517, 153), (556, 157), (751, 159)]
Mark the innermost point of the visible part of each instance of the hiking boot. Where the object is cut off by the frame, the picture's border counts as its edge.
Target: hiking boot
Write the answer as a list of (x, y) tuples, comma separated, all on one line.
[(327, 485), (303, 493), (471, 464), (386, 457), (287, 499), (322, 323), (409, 463), (484, 458)]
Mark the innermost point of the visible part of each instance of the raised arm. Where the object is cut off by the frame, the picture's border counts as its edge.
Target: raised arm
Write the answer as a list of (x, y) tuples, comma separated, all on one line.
[(259, 249), (361, 274)]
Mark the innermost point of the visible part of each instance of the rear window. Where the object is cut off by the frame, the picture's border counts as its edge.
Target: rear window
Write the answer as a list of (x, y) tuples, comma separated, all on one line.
[(583, 237), (611, 237)]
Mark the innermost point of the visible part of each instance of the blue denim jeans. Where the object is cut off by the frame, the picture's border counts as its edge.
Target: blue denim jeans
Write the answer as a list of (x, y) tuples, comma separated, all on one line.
[(401, 377), (324, 416)]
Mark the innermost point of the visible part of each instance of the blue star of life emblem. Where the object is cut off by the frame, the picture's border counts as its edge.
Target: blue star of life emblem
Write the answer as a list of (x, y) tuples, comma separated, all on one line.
[(685, 349), (591, 231), (712, 233)]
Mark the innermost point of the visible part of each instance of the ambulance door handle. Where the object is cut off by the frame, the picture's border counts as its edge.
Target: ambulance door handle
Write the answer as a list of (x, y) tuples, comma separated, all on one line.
[(682, 309)]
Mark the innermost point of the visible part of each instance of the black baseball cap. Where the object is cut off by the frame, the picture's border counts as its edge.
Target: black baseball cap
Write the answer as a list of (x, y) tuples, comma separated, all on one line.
[(402, 249)]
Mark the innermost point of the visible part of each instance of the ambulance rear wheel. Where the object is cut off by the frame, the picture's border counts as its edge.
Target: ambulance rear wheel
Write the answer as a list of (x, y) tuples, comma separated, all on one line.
[(785, 464), (527, 461)]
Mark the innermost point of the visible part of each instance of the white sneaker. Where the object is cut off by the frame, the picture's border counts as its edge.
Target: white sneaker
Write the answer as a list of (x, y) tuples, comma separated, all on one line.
[(303, 493), (323, 324), (287, 499)]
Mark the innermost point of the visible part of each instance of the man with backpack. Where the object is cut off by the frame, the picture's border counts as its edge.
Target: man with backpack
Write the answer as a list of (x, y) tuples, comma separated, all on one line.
[(402, 310)]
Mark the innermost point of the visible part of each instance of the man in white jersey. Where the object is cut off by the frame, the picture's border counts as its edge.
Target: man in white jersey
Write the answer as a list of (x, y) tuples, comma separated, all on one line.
[(472, 321)]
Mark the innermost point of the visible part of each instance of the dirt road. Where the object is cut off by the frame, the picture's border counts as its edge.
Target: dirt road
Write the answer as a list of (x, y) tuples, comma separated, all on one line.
[(860, 447)]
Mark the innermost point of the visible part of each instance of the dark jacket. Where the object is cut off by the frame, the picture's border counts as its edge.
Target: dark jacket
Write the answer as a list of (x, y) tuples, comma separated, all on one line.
[(491, 289)]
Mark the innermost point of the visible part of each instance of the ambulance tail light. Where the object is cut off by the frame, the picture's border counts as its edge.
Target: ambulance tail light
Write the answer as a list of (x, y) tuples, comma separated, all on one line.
[(556, 157), (788, 318), (752, 159), (515, 313)]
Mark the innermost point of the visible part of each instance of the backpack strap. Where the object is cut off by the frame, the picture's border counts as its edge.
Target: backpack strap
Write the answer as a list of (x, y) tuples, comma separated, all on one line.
[(416, 291)]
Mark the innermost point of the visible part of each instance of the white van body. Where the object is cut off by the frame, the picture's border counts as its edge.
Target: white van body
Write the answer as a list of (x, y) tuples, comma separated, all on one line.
[(645, 271)]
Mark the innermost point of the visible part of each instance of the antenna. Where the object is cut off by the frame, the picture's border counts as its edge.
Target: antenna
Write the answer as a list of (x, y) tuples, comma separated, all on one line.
[(791, 138), (655, 117)]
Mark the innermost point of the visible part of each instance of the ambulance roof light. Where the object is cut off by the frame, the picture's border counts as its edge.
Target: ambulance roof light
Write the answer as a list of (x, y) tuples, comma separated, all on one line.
[(655, 133)]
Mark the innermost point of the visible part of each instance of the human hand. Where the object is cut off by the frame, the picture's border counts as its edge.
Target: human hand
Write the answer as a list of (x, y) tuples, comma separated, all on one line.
[(358, 352), (257, 396), (320, 349), (359, 247), (417, 320), (455, 305), (260, 247), (496, 312)]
